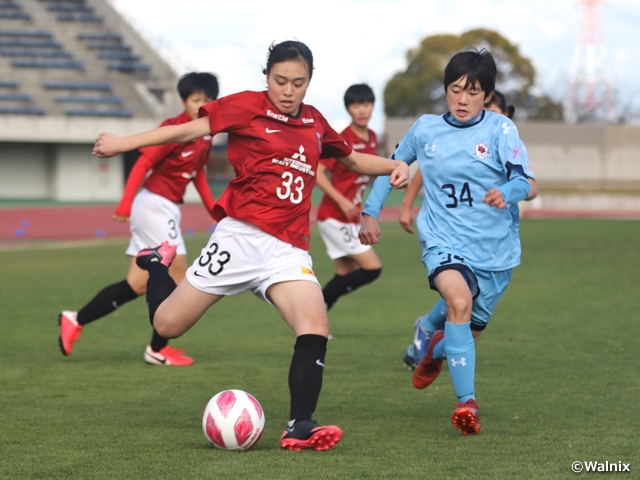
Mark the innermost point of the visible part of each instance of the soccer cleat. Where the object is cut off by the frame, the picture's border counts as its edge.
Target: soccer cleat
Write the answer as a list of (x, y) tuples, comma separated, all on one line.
[(466, 417), (428, 369), (70, 330), (418, 349), (167, 356), (163, 253), (308, 434)]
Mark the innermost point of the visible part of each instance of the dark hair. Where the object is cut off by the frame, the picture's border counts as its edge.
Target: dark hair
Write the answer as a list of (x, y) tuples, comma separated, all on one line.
[(476, 65), (289, 50), (359, 93), (206, 83), (500, 101)]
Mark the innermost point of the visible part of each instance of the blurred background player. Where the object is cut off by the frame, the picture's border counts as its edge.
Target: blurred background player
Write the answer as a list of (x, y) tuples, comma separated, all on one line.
[(166, 171), (262, 239), (341, 207), (426, 325), (474, 169)]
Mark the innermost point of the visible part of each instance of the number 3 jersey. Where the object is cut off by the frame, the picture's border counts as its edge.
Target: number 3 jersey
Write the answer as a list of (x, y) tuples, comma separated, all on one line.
[(275, 157), (348, 183), (460, 163)]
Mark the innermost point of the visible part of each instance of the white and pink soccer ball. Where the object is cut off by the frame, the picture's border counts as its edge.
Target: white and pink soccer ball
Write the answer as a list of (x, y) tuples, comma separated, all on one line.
[(233, 420)]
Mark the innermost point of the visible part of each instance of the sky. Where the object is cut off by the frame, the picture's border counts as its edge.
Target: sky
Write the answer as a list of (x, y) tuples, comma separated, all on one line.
[(355, 41)]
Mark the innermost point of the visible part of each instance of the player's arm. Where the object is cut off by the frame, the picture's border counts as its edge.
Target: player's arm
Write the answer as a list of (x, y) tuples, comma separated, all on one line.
[(367, 164), (135, 179), (108, 144), (348, 208), (202, 186), (533, 193), (406, 210)]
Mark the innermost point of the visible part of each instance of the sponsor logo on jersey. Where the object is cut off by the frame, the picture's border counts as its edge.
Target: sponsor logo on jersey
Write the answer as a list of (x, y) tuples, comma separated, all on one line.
[(506, 128), (307, 271), (308, 120), (298, 161), (186, 154), (482, 151), (278, 116), (429, 148), (189, 176), (268, 130), (359, 146)]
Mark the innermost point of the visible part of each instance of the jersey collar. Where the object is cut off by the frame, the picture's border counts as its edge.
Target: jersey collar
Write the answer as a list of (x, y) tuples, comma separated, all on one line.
[(454, 123)]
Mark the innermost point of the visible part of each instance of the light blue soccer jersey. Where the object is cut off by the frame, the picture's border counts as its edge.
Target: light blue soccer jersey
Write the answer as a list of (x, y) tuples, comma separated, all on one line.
[(460, 163)]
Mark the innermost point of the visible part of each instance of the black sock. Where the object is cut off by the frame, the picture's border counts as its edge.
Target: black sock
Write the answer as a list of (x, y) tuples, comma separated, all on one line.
[(106, 301), (159, 287), (158, 342), (305, 375), (341, 285)]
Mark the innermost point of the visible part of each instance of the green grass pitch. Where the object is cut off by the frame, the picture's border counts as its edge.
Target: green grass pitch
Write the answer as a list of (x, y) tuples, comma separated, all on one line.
[(557, 381)]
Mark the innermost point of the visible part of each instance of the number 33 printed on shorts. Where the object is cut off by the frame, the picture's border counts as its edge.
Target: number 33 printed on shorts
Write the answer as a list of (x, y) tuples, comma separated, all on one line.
[(215, 258)]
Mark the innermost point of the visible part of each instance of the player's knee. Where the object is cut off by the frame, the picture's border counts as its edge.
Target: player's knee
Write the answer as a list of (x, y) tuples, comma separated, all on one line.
[(459, 307), (371, 275), (165, 328)]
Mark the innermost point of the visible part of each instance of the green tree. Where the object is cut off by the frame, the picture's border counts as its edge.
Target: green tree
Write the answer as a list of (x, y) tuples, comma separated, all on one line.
[(419, 89)]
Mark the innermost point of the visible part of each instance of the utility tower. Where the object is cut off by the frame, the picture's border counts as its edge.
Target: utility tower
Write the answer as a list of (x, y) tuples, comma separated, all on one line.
[(590, 95)]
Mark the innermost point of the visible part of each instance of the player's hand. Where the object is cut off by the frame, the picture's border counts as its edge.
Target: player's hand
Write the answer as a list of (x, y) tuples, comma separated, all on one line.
[(350, 210), (494, 198), (107, 145), (399, 178), (120, 218), (406, 219), (369, 230)]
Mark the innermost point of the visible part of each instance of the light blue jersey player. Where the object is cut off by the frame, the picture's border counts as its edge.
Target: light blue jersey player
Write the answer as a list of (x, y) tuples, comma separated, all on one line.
[(474, 169), (427, 325)]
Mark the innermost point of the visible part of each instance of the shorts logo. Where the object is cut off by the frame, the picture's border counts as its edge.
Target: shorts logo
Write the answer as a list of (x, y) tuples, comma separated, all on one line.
[(307, 271), (482, 151)]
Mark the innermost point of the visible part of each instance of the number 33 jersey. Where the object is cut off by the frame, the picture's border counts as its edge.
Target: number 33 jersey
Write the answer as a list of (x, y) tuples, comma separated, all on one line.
[(460, 163), (275, 158)]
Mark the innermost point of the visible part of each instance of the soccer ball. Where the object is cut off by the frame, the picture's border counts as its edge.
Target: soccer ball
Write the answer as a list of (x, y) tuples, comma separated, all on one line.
[(233, 420)]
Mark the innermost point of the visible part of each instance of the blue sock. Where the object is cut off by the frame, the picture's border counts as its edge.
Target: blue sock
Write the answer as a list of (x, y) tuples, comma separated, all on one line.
[(461, 356), (435, 319), (438, 351)]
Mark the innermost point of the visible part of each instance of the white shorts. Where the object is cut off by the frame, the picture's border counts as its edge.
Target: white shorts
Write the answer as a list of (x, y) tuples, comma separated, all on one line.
[(153, 220), (241, 257), (341, 239)]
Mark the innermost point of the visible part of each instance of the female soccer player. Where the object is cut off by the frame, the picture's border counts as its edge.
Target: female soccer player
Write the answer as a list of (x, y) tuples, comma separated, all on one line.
[(262, 238), (341, 207), (426, 325), (155, 216), (473, 168)]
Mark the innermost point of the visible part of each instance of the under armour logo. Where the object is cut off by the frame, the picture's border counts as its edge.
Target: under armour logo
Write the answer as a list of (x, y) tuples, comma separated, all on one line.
[(462, 362), (300, 155), (428, 147), (506, 128)]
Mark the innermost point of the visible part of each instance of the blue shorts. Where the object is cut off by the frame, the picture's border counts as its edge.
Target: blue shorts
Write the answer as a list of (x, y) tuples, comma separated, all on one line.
[(486, 286)]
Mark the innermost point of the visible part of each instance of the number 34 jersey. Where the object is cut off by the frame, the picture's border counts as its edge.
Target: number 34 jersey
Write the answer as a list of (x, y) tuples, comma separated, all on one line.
[(275, 157), (460, 163)]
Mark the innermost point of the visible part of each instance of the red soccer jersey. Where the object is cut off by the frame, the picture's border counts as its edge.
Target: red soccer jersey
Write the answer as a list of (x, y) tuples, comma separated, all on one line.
[(167, 169), (348, 183), (175, 164), (275, 157)]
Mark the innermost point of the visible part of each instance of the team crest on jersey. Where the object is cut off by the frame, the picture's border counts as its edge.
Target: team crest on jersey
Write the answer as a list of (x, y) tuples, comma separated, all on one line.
[(482, 151)]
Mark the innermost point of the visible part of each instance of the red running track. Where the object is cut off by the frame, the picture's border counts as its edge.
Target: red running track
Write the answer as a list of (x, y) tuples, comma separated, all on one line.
[(21, 225)]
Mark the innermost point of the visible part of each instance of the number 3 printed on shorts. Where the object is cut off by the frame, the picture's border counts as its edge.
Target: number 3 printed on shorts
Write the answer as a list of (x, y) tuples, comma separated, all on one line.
[(284, 193), (221, 261), (173, 232)]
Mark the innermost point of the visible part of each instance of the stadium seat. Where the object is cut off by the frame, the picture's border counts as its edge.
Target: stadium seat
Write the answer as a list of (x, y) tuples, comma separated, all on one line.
[(65, 64), (129, 67), (15, 97), (99, 113), (6, 52), (99, 36), (9, 84), (26, 33), (101, 86), (86, 99), (108, 46), (119, 56), (30, 43), (21, 111), (70, 8), (14, 16)]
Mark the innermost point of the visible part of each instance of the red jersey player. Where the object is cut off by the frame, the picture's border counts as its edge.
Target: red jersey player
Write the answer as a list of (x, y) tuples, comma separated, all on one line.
[(341, 207), (261, 241), (164, 172)]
